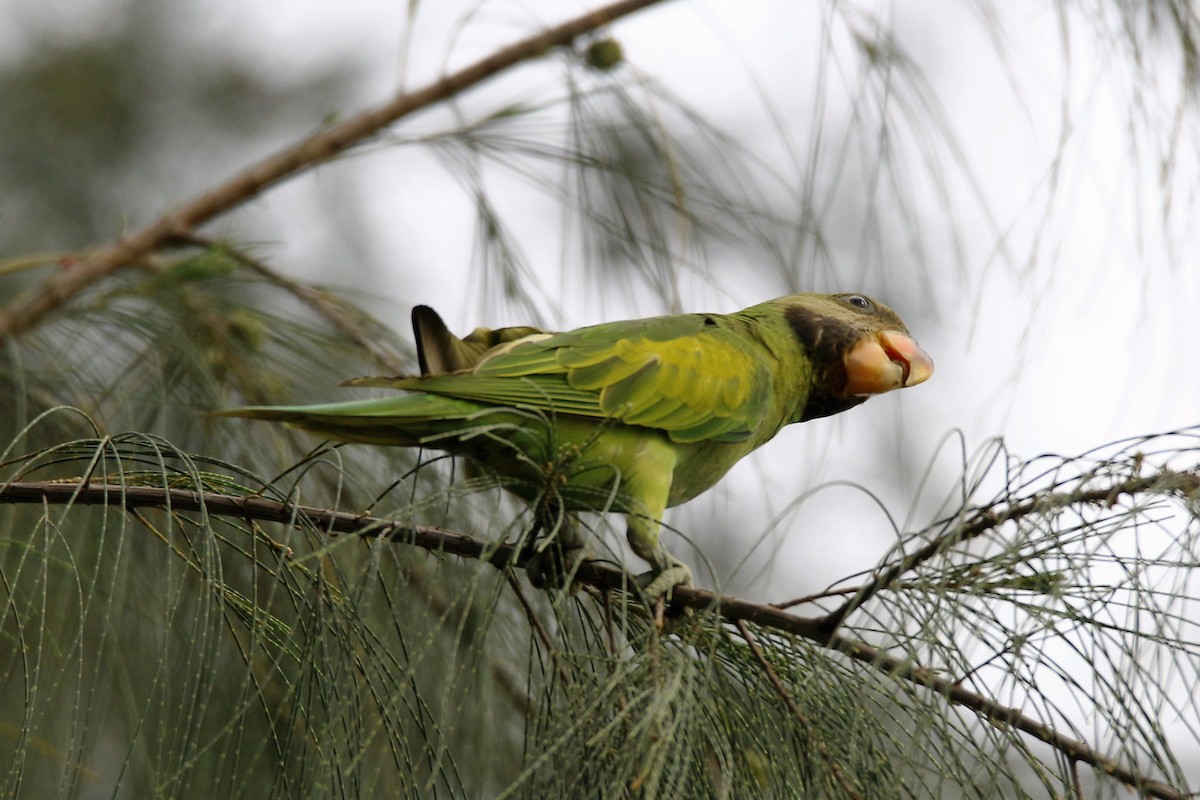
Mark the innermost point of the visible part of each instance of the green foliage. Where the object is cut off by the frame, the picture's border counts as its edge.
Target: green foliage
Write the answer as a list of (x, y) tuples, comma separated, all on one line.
[(224, 658), (225, 654), (157, 349)]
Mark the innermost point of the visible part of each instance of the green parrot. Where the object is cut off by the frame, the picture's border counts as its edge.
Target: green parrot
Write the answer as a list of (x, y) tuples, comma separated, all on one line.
[(633, 416)]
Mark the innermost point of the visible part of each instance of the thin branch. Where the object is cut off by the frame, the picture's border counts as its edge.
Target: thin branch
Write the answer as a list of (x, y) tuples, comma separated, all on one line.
[(988, 519), (1000, 715), (28, 309), (28, 261), (596, 574)]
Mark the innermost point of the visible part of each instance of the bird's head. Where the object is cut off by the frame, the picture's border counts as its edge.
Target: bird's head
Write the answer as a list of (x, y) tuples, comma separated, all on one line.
[(858, 346)]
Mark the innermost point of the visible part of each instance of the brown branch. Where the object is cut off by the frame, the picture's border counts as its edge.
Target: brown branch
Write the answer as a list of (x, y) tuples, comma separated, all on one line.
[(596, 574), (29, 308), (1000, 715), (988, 519)]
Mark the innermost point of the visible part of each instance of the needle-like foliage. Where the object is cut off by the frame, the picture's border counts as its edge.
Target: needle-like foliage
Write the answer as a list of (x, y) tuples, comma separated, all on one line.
[(216, 626)]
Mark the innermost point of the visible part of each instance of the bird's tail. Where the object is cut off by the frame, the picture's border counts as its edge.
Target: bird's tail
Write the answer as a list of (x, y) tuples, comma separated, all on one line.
[(411, 420)]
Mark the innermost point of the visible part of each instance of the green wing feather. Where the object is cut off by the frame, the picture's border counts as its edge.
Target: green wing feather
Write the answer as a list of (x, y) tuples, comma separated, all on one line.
[(691, 376)]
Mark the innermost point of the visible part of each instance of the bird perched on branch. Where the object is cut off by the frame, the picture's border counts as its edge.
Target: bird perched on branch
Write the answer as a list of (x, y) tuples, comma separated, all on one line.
[(632, 416)]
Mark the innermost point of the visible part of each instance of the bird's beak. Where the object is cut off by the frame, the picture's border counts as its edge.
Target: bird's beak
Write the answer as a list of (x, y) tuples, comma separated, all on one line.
[(886, 361)]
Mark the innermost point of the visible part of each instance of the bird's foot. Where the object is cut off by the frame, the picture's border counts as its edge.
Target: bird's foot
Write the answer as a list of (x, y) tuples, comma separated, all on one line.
[(657, 584)]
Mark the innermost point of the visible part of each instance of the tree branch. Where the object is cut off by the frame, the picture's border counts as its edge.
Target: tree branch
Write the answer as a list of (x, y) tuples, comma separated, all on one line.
[(731, 609), (28, 309), (988, 519)]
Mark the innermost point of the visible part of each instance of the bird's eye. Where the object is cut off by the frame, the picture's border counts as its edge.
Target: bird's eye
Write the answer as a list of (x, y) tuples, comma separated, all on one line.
[(858, 301)]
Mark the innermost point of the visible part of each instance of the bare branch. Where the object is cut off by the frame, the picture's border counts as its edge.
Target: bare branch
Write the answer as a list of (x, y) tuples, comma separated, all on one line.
[(989, 518), (1001, 715), (27, 310), (731, 609)]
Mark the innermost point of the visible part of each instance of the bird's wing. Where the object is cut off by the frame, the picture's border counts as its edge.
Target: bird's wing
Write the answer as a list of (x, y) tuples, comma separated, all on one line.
[(439, 350), (687, 375)]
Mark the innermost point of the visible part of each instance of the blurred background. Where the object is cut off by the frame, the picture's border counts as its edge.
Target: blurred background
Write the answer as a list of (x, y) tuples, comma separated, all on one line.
[(1017, 179)]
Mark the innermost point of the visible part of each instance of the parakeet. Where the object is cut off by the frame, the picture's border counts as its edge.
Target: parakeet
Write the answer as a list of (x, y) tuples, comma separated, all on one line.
[(632, 416)]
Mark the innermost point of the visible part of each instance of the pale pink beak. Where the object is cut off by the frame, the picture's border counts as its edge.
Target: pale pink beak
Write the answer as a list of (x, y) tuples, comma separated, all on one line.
[(889, 360)]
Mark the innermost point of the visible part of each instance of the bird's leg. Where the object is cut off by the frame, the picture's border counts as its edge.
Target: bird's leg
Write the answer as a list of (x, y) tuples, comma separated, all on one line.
[(667, 571), (649, 485)]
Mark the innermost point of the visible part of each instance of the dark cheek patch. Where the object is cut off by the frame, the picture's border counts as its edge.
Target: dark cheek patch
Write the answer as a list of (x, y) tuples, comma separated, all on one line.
[(822, 404), (826, 341), (823, 339)]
